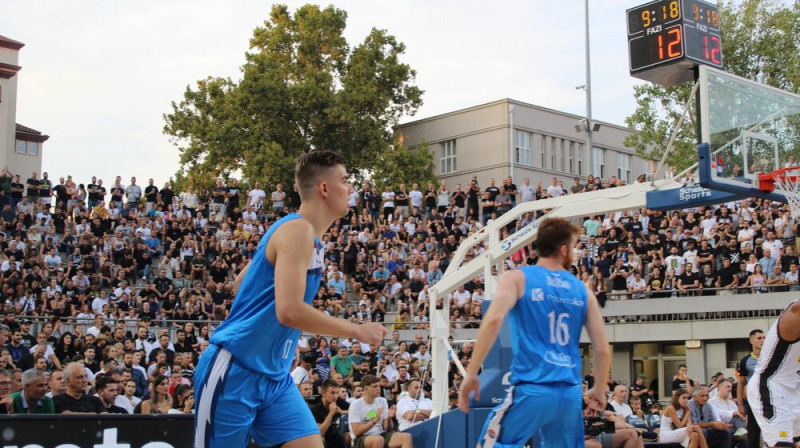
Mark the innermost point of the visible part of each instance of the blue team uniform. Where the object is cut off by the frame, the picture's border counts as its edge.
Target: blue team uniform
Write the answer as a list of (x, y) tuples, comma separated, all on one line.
[(545, 396), (242, 381)]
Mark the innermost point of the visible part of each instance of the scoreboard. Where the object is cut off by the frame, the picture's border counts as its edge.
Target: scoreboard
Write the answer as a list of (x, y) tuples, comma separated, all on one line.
[(668, 38)]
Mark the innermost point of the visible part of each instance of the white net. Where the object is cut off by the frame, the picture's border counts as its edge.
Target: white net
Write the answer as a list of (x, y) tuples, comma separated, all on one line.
[(789, 185)]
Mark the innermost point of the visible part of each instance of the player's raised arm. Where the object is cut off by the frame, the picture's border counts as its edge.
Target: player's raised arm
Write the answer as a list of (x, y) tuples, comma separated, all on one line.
[(789, 323), (290, 249)]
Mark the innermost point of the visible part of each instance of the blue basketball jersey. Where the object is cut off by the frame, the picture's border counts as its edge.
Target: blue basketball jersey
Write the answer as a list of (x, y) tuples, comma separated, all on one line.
[(546, 327), (252, 332)]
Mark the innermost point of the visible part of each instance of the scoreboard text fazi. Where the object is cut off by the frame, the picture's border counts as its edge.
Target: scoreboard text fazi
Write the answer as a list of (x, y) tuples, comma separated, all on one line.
[(668, 38)]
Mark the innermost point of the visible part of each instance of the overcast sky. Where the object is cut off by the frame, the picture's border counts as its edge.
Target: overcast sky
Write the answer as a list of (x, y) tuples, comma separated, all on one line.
[(97, 76)]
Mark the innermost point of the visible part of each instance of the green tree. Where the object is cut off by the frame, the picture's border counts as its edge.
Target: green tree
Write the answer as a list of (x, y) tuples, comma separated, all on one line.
[(398, 164), (302, 89), (760, 41)]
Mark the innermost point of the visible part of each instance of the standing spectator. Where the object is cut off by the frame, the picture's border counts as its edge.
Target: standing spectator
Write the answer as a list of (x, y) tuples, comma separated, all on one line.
[(133, 193), (218, 195), (744, 372), (32, 399), (502, 202), (371, 419), (256, 197), (151, 196), (233, 194), (554, 190), (278, 198), (32, 185)]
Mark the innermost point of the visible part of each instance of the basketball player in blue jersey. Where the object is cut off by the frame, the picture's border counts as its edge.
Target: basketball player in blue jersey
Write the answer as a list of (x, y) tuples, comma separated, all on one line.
[(242, 382), (548, 307)]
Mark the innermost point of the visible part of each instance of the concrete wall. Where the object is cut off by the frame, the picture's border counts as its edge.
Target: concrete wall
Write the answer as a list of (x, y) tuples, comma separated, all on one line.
[(8, 108)]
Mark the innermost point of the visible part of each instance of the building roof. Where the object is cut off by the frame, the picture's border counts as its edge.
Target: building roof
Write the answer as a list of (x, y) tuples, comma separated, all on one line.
[(30, 134), (10, 43)]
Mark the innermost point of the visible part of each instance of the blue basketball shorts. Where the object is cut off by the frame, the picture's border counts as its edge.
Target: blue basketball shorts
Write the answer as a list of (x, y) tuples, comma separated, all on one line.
[(234, 404), (554, 411)]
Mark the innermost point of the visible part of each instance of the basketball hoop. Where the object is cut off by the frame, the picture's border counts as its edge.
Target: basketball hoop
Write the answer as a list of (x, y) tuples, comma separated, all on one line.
[(787, 181)]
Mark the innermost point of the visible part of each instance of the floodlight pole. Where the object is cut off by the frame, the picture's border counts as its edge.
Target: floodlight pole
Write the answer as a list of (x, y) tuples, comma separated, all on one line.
[(589, 125)]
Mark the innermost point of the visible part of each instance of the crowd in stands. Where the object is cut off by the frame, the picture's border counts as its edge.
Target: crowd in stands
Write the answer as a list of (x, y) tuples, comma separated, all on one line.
[(124, 284)]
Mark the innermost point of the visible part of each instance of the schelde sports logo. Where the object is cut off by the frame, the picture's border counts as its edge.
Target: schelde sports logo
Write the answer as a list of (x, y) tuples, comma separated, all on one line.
[(506, 244), (537, 295), (693, 192), (559, 359)]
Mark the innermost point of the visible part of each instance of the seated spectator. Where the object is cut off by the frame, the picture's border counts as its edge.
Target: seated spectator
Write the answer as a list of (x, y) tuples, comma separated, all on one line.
[(75, 400), (182, 400), (715, 431), (108, 391), (727, 410), (159, 402), (328, 414), (33, 399), (682, 380), (676, 423), (371, 419), (619, 401), (757, 280), (413, 407)]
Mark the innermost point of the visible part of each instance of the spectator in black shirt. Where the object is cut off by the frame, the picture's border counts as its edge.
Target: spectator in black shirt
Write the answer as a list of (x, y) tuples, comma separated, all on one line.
[(107, 391), (327, 413), (708, 280), (727, 278), (688, 281), (33, 187), (75, 400)]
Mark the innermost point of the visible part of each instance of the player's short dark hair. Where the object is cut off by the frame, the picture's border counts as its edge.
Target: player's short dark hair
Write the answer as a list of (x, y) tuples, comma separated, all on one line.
[(755, 332), (554, 233), (312, 164)]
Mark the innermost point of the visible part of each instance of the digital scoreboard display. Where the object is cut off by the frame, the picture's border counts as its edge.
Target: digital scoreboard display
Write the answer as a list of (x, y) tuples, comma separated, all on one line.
[(666, 38)]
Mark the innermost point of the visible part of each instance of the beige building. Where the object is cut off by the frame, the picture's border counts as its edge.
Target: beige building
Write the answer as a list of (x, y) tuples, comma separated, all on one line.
[(20, 146), (480, 141)]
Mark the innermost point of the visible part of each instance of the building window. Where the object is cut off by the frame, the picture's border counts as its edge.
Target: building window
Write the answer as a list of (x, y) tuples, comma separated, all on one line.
[(33, 148), (599, 161), (447, 160), (523, 148), (553, 149), (562, 147), (570, 156), (580, 159), (624, 167), (539, 142), (22, 147)]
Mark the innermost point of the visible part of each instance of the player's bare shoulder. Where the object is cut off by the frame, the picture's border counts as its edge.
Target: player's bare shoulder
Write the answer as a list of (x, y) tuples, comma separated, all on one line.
[(291, 235)]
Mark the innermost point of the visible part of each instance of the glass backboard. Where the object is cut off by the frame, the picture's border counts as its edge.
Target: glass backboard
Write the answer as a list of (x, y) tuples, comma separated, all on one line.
[(752, 128)]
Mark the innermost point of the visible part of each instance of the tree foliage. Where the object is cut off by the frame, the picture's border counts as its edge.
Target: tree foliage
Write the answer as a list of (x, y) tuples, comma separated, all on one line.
[(760, 41), (399, 164), (302, 88)]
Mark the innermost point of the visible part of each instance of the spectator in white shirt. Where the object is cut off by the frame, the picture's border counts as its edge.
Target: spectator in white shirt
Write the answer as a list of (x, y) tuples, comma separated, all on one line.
[(619, 401), (412, 407)]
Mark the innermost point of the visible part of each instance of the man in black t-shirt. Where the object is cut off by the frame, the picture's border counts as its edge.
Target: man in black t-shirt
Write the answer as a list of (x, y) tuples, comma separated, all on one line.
[(682, 380), (45, 190), (33, 187), (165, 196), (328, 412), (688, 281), (708, 280), (151, 195), (75, 400), (727, 277)]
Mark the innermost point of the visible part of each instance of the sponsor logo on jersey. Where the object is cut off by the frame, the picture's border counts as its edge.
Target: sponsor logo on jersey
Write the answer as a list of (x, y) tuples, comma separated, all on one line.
[(491, 433), (559, 359), (783, 434), (565, 300), (537, 295), (557, 282)]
